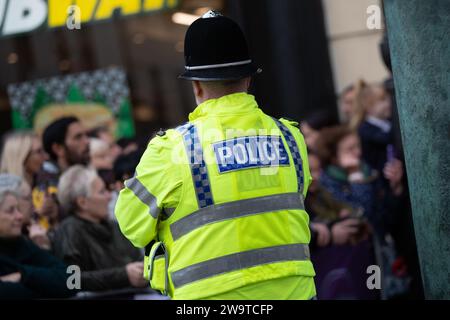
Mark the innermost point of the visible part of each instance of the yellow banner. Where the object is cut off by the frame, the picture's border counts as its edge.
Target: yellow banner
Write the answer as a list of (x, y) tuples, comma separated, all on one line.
[(22, 16)]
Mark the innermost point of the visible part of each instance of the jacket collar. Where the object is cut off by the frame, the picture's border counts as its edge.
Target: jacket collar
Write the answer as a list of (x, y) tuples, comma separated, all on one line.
[(236, 103)]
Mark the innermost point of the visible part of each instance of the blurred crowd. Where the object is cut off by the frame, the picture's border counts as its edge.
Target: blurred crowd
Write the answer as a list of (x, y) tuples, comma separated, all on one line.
[(359, 202), (58, 191), (57, 197)]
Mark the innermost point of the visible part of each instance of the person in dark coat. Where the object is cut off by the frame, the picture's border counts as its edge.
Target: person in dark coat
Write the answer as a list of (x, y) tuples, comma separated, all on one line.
[(375, 131), (26, 271), (87, 238), (341, 269), (351, 180), (346, 176), (324, 210)]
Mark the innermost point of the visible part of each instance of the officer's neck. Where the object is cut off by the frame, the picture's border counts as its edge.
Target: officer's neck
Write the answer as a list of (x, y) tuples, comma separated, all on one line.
[(210, 96), (204, 90)]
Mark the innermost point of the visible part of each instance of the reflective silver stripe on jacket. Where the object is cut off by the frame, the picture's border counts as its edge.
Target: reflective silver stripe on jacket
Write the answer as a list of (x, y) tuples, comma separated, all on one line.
[(142, 193), (236, 209), (239, 261)]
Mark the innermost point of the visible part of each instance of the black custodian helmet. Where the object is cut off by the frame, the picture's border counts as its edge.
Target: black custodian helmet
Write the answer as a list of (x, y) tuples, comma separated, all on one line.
[(215, 49)]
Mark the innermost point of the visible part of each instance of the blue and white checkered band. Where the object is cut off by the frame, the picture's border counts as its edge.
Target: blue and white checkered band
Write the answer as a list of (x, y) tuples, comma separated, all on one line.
[(198, 166), (250, 152), (184, 128), (295, 152)]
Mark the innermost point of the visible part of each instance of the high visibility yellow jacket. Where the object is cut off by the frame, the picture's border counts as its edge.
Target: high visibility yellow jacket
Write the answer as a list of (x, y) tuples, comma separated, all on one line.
[(220, 200)]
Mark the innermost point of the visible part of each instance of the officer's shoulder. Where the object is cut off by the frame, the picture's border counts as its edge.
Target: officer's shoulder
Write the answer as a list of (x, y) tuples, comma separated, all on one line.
[(160, 139), (169, 136), (165, 134), (161, 133)]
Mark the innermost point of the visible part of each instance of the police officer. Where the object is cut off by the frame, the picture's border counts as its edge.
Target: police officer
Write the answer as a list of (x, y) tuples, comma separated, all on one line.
[(218, 202)]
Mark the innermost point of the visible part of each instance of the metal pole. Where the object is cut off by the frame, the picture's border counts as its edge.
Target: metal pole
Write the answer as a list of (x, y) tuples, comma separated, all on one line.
[(420, 51)]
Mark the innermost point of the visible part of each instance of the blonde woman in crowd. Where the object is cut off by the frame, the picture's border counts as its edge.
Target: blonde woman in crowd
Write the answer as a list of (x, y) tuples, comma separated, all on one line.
[(22, 156), (375, 130), (351, 107)]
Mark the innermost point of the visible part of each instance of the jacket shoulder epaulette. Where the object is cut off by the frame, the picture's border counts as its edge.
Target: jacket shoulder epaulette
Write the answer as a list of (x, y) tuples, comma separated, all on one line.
[(161, 133), (290, 121)]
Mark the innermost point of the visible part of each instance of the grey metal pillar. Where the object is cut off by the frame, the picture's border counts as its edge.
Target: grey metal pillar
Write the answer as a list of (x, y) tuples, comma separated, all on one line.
[(419, 41)]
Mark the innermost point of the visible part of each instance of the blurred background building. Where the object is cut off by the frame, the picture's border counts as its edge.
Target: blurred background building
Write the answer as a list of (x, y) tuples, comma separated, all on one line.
[(308, 50), (353, 47)]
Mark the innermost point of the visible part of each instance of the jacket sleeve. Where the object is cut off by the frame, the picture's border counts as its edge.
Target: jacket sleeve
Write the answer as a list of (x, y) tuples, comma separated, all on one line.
[(156, 185), (68, 246), (307, 178), (105, 279), (13, 291), (45, 274)]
